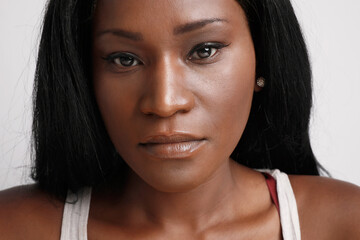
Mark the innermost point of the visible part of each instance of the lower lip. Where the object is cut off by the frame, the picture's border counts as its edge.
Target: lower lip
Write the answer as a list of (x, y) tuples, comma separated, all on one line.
[(173, 150)]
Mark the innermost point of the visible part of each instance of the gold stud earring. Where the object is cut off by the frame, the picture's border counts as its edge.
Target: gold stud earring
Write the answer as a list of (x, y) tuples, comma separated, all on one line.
[(260, 82)]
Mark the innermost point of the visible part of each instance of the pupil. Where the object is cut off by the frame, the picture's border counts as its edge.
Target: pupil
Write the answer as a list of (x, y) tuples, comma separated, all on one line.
[(127, 61), (205, 52)]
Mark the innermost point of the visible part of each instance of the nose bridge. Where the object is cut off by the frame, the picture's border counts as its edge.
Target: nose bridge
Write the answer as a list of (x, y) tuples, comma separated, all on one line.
[(166, 92), (168, 81)]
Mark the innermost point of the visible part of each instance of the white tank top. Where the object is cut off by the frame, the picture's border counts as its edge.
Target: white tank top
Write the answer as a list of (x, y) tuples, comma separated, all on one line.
[(76, 211)]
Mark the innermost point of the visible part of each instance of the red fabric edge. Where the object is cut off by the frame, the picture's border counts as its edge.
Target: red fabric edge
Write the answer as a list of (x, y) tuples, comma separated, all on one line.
[(271, 183)]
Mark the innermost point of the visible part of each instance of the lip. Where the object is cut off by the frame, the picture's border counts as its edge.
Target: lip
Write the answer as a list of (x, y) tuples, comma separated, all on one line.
[(172, 146)]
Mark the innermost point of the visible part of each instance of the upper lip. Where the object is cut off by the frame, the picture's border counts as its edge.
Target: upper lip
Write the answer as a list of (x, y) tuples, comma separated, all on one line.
[(169, 138)]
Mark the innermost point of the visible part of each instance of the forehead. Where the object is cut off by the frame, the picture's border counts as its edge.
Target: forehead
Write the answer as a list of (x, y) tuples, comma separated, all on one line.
[(152, 15)]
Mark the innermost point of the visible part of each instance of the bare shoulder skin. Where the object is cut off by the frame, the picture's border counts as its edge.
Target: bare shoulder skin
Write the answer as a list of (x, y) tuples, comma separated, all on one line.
[(28, 213), (328, 208)]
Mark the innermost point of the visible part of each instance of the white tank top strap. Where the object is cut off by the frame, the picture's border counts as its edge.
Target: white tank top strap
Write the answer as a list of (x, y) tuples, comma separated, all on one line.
[(75, 215), (289, 216)]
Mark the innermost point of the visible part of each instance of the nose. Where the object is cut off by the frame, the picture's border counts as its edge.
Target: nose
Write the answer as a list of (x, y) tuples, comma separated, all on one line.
[(166, 92)]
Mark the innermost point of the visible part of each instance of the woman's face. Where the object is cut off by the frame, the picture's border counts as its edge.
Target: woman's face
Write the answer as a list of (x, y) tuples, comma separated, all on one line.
[(174, 81)]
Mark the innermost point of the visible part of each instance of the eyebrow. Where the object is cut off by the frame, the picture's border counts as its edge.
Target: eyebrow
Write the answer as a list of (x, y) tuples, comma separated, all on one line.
[(135, 36), (188, 27)]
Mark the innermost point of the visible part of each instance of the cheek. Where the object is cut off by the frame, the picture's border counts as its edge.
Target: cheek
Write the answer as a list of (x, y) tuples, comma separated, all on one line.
[(116, 105), (234, 100), (228, 100)]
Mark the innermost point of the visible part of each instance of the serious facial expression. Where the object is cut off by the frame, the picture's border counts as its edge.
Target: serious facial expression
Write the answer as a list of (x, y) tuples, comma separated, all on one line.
[(174, 81)]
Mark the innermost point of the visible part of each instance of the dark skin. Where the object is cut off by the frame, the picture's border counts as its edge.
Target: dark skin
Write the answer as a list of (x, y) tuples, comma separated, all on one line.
[(175, 98)]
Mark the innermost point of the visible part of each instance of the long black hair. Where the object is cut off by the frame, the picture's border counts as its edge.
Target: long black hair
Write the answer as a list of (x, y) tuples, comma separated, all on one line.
[(277, 133), (71, 146)]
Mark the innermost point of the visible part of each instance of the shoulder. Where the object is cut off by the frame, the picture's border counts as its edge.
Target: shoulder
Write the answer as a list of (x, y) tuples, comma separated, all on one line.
[(28, 213), (328, 208)]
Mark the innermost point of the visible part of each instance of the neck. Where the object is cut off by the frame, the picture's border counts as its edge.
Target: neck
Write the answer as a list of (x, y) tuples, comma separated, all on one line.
[(204, 205)]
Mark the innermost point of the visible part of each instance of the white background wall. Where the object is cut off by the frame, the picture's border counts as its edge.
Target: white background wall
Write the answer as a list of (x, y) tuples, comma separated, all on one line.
[(331, 29)]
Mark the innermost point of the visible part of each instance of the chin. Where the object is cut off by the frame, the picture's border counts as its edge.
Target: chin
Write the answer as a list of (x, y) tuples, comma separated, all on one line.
[(176, 180)]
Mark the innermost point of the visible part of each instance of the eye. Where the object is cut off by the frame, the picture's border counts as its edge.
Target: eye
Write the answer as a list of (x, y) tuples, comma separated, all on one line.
[(123, 59), (205, 50)]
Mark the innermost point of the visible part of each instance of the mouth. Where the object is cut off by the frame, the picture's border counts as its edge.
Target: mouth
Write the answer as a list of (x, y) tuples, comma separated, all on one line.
[(172, 146)]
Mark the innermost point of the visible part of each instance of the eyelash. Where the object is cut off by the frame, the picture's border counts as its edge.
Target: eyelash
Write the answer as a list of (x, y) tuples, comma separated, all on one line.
[(117, 56), (212, 45), (112, 58)]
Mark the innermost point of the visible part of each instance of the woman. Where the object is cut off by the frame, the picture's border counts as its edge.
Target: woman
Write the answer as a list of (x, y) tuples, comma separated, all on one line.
[(151, 116)]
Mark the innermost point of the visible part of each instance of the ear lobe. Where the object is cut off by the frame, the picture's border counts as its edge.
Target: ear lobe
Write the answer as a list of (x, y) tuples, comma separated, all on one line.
[(257, 88), (259, 84)]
